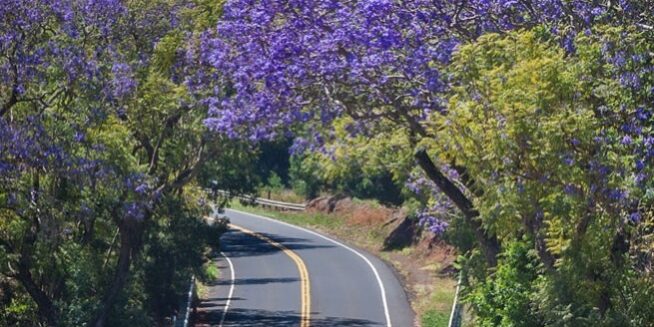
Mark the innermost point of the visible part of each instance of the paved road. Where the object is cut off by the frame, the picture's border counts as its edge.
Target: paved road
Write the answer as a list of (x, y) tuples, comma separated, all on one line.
[(267, 289)]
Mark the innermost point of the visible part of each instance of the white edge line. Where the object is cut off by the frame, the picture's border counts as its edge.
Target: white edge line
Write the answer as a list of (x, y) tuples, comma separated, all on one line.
[(231, 289), (374, 270)]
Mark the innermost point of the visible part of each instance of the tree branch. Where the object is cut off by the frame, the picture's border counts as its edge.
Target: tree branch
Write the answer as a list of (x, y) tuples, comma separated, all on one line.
[(489, 243)]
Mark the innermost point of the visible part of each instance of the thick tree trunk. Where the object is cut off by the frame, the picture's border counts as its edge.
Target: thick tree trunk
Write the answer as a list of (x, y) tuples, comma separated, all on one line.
[(488, 243), (120, 278), (46, 309), (130, 234)]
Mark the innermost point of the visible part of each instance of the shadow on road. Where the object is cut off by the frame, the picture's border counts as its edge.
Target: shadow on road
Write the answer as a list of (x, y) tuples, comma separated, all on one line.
[(237, 244), (255, 281), (264, 318)]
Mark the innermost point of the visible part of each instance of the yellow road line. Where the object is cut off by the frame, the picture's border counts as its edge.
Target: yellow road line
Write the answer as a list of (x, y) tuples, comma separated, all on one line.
[(305, 287)]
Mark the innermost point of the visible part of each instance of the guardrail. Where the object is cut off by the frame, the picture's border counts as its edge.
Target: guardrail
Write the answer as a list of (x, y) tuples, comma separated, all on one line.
[(267, 202), (182, 319)]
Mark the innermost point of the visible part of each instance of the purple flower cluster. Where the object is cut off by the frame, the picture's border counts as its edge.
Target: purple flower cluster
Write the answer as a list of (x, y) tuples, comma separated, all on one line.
[(325, 58), (36, 52), (282, 62), (428, 220), (123, 82), (134, 210)]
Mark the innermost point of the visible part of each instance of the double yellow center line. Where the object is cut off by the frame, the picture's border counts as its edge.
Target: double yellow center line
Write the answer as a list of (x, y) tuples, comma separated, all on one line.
[(305, 287)]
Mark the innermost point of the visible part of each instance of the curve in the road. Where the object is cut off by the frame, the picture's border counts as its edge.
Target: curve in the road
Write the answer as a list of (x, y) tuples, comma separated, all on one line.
[(380, 283), (305, 288)]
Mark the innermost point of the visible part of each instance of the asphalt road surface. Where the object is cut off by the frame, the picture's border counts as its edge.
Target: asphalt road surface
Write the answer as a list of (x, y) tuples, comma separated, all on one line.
[(275, 274)]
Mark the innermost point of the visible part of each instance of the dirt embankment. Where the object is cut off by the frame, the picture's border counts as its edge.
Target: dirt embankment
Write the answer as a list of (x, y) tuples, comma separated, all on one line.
[(424, 261), (398, 230)]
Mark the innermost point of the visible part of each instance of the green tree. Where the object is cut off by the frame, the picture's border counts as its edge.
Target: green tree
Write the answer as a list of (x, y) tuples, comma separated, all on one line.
[(543, 135)]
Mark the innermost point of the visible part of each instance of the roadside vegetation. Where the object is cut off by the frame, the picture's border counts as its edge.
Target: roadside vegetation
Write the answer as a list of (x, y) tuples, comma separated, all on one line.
[(519, 133), (522, 129)]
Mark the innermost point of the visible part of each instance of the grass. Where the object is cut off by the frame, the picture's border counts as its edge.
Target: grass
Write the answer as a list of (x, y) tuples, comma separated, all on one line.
[(361, 235), (283, 195), (322, 221), (210, 273), (434, 301), (433, 318)]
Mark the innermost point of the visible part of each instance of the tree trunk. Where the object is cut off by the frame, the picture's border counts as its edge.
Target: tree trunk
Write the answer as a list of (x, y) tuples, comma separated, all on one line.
[(533, 225), (46, 309), (490, 246), (130, 232), (120, 278)]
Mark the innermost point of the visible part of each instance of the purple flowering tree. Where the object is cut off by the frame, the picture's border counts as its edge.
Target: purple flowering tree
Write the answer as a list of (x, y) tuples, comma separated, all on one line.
[(288, 62), (50, 53), (96, 132)]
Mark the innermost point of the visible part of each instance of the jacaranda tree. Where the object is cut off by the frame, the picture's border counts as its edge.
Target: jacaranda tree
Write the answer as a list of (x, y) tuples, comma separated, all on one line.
[(288, 62), (389, 63), (100, 145)]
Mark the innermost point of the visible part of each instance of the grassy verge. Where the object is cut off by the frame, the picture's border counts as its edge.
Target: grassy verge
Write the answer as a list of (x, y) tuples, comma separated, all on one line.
[(431, 296), (299, 218), (210, 273), (284, 195), (362, 236)]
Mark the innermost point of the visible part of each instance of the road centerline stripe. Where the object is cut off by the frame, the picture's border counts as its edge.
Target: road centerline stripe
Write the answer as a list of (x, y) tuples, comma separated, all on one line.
[(305, 287)]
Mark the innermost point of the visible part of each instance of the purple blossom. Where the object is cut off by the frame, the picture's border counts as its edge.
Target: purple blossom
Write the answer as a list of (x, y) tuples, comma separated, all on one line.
[(78, 137), (419, 185), (142, 189), (635, 217), (630, 79), (135, 211), (123, 82), (432, 223), (569, 44), (617, 194), (568, 159), (642, 114), (570, 189)]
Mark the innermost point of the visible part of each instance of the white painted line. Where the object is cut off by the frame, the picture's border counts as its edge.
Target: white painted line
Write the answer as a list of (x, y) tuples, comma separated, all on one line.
[(231, 289), (374, 270)]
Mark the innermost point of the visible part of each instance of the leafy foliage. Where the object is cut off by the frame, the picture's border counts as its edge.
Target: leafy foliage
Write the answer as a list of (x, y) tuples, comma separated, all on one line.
[(100, 143), (560, 172)]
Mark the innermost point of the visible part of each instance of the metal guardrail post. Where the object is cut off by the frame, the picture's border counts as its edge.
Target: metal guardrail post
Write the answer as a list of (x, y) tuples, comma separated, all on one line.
[(186, 313), (270, 203)]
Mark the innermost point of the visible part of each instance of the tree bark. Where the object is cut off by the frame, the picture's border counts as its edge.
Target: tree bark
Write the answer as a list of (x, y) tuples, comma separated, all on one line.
[(120, 278), (46, 309), (130, 234), (489, 244), (534, 224)]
